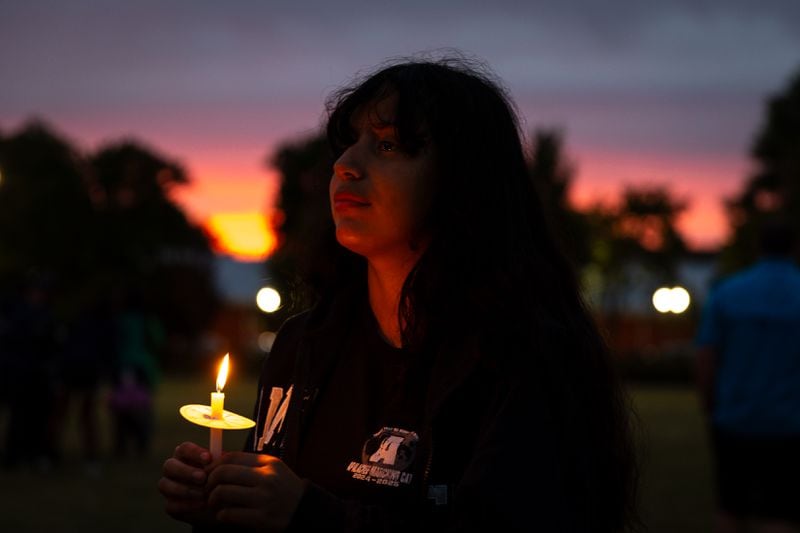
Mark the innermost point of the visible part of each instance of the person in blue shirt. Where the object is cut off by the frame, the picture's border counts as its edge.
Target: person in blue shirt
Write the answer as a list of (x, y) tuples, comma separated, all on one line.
[(748, 370)]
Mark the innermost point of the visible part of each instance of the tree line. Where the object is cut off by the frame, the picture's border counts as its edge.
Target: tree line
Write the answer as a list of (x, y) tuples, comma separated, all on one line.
[(101, 226), (92, 224)]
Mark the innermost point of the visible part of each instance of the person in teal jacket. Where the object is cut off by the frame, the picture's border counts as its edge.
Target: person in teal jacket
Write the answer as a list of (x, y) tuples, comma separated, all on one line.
[(139, 336), (450, 377)]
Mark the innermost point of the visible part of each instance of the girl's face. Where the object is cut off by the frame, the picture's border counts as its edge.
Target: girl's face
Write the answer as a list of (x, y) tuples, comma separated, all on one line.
[(380, 194)]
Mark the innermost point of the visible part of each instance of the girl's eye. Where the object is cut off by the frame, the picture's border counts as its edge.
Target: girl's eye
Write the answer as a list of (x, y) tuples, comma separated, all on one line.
[(387, 146)]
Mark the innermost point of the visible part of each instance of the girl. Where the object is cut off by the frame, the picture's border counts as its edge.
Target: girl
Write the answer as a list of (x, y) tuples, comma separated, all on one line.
[(450, 377)]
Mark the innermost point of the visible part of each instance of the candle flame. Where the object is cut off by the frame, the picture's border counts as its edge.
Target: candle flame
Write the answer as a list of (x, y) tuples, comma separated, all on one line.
[(222, 375)]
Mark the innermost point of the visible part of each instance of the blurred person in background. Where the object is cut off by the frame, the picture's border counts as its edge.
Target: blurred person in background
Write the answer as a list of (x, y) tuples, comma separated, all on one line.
[(28, 350), (139, 336), (748, 374), (87, 353)]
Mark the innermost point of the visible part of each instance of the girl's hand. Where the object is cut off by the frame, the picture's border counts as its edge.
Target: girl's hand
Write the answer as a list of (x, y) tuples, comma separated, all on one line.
[(254, 491), (183, 484)]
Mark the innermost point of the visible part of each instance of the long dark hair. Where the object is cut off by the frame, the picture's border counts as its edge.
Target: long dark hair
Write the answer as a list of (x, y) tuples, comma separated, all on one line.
[(494, 263)]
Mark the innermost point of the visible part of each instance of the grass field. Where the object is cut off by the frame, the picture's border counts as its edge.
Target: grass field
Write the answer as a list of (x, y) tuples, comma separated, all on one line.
[(676, 486)]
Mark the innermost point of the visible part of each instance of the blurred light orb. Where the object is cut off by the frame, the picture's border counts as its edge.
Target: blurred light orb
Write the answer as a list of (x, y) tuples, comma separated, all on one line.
[(662, 300), (268, 299), (680, 300), (675, 300), (265, 340)]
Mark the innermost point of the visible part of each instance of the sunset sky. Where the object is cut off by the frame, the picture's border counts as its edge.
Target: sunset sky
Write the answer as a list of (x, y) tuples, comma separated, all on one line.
[(665, 93)]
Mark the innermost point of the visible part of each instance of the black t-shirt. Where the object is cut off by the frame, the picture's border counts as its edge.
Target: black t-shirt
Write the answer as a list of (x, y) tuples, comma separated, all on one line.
[(362, 441)]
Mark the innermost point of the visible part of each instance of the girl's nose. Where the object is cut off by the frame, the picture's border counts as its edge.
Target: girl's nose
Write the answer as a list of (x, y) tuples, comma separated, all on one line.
[(347, 167)]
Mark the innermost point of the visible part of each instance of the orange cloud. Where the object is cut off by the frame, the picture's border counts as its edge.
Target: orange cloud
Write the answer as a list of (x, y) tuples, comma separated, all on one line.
[(243, 235)]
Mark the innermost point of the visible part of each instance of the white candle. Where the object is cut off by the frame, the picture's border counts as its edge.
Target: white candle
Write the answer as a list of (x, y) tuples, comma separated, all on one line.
[(217, 406)]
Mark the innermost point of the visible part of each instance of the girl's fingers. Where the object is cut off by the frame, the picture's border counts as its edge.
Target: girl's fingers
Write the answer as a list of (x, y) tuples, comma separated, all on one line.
[(228, 474), (177, 470), (193, 454), (173, 490), (223, 496)]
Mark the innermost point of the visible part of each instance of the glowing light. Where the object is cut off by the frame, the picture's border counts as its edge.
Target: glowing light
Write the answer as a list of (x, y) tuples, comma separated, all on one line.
[(268, 299), (680, 300), (675, 300), (245, 236), (222, 375), (662, 300), (217, 408)]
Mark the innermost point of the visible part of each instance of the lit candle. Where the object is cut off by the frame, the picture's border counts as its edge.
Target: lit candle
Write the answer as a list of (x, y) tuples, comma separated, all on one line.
[(214, 416), (217, 404)]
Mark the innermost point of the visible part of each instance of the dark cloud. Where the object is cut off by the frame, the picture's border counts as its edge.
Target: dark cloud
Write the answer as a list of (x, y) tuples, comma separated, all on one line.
[(289, 45)]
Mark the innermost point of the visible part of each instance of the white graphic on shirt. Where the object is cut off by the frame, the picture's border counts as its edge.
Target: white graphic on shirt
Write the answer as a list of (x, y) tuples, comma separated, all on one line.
[(386, 458), (387, 451), (276, 412)]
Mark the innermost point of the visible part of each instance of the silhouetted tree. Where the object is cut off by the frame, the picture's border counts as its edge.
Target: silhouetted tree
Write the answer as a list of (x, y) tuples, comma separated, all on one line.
[(149, 245), (774, 188), (639, 233), (648, 217), (93, 226), (46, 217), (299, 263), (552, 174)]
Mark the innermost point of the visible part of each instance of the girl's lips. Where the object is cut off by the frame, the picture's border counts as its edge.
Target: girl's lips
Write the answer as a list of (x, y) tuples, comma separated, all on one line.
[(347, 200)]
